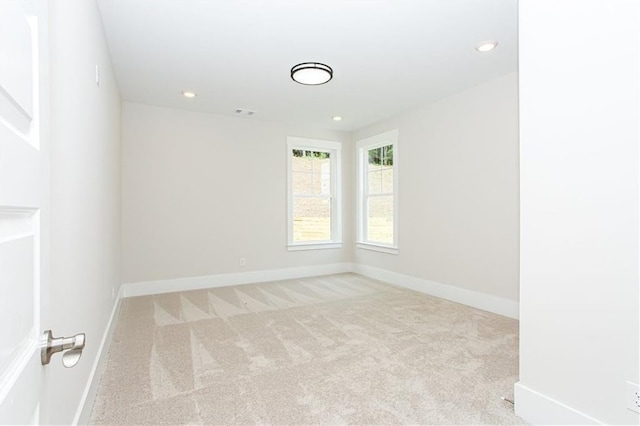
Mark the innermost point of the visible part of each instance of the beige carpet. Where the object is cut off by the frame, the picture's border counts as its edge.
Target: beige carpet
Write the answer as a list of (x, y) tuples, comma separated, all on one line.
[(339, 349)]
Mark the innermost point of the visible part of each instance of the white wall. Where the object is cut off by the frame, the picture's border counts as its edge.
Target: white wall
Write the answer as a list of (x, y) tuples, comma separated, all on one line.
[(579, 116), (200, 191), (85, 197), (458, 195)]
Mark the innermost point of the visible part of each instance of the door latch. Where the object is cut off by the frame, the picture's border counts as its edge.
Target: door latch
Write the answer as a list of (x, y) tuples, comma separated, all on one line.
[(72, 347)]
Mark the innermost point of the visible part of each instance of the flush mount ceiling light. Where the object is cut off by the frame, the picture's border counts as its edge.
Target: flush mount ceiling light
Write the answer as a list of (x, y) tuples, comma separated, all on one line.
[(188, 94), (337, 118), (486, 46), (311, 73)]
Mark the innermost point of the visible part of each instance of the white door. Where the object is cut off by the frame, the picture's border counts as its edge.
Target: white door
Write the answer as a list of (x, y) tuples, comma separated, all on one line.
[(23, 190)]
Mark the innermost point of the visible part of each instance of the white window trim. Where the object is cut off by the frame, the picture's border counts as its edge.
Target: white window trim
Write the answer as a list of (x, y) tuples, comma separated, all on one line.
[(335, 149), (382, 248), (362, 148)]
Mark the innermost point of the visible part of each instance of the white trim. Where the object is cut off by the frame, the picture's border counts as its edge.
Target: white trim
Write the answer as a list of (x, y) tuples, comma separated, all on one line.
[(362, 147), (538, 409), (83, 413), (223, 280), (314, 246), (377, 247), (486, 302), (312, 144)]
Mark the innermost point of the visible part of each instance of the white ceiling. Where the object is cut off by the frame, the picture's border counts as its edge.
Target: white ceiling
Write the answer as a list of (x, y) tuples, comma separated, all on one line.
[(388, 56)]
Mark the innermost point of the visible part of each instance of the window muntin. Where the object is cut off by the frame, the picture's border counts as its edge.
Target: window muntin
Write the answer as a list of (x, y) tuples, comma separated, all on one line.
[(314, 204), (377, 195)]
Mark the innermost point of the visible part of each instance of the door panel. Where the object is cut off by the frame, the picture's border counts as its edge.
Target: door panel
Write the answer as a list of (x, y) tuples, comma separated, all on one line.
[(16, 56), (20, 178), (16, 307), (21, 195)]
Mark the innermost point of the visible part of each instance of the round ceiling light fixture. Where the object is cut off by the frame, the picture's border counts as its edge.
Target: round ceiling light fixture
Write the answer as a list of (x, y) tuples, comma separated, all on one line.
[(311, 73), (487, 46), (188, 94)]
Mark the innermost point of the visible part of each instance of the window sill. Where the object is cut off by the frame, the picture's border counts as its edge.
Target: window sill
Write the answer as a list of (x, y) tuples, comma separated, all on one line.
[(313, 246), (377, 247)]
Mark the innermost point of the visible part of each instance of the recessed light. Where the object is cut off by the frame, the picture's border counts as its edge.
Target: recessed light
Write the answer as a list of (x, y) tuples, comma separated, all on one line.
[(486, 46), (188, 94), (337, 118)]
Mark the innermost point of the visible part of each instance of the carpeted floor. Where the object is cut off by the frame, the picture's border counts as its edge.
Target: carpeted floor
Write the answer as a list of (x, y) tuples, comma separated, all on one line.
[(327, 350)]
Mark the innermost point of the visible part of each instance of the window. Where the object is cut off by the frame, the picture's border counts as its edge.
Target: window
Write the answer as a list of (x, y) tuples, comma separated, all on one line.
[(314, 194), (378, 192)]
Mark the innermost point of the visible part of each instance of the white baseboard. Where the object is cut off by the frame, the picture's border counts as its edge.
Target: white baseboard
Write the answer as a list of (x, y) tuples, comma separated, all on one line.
[(83, 413), (475, 299), (222, 280), (538, 409), (486, 302)]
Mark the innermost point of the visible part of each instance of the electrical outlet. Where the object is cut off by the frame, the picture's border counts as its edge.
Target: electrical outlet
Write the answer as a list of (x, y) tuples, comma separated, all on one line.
[(243, 261), (633, 397)]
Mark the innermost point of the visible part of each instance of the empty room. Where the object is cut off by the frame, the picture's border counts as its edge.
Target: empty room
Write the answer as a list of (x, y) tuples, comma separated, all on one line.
[(331, 212)]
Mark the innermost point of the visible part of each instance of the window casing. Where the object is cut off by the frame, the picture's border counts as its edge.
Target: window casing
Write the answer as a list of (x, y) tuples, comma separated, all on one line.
[(314, 201), (378, 193)]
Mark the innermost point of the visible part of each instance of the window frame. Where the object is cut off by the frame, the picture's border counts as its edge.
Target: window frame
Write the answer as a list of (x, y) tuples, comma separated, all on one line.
[(335, 150), (362, 152)]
